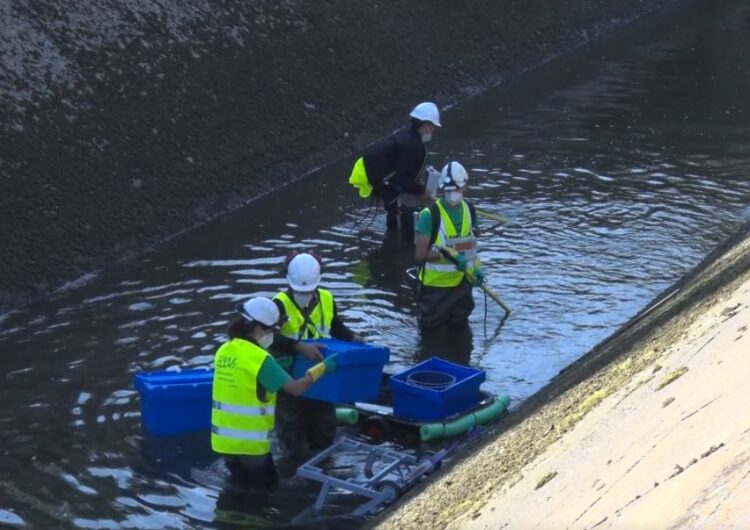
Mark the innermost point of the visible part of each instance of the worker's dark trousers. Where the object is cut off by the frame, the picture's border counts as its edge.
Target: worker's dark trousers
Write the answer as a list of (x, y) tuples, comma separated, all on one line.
[(389, 196), (395, 216), (252, 471), (304, 425), (439, 306), (453, 343)]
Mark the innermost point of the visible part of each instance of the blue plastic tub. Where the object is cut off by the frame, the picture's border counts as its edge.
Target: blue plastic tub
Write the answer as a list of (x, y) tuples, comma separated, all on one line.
[(357, 376), (421, 403), (175, 402)]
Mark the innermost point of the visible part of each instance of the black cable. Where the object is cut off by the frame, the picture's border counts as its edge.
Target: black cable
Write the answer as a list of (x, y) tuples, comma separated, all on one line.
[(365, 220)]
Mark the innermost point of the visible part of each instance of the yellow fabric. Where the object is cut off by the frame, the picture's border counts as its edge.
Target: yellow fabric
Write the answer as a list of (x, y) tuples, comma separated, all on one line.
[(320, 317), (238, 414), (359, 179), (449, 276), (317, 371)]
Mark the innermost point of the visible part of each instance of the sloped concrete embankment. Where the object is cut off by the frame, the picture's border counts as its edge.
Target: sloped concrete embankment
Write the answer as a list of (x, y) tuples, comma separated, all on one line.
[(649, 430), (124, 123)]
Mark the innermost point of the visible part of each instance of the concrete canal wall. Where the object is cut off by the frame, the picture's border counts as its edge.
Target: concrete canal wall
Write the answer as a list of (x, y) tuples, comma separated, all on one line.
[(126, 122)]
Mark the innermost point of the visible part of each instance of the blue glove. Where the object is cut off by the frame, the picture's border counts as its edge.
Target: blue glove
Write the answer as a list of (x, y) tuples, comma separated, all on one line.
[(331, 362), (460, 262), (478, 277)]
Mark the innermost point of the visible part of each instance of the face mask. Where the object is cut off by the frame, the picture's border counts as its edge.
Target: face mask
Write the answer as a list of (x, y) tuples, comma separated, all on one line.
[(266, 340), (302, 299), (454, 197), (426, 137)]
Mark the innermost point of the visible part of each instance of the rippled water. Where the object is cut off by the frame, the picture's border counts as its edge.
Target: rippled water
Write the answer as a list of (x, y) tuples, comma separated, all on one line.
[(620, 167)]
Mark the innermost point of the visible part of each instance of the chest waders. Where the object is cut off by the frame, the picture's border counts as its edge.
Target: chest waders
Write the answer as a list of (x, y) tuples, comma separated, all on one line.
[(302, 421)]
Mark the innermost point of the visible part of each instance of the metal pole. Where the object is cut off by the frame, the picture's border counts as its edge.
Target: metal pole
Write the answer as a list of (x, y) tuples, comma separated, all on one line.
[(493, 216), (495, 298)]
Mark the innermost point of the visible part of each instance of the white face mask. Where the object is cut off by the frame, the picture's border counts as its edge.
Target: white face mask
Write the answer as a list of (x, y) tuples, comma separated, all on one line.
[(454, 197), (302, 299), (426, 137), (266, 340)]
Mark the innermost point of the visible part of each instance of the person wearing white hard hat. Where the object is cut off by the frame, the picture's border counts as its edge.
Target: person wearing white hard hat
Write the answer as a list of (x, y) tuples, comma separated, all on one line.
[(310, 311), (445, 251), (390, 171), (244, 391)]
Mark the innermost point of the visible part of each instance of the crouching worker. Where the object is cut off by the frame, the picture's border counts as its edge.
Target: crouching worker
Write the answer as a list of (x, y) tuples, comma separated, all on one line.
[(246, 380), (306, 425), (445, 250), (392, 168)]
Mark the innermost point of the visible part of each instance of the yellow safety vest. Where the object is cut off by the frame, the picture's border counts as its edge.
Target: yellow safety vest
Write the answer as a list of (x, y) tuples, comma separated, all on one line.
[(443, 273), (241, 423), (318, 323), (359, 179)]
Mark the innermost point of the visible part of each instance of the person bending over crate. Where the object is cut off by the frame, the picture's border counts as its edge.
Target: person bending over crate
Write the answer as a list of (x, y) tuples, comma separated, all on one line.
[(389, 171), (306, 425), (246, 380)]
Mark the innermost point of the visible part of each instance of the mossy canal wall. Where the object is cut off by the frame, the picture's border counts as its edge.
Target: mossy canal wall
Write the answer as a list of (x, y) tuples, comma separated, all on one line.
[(126, 122)]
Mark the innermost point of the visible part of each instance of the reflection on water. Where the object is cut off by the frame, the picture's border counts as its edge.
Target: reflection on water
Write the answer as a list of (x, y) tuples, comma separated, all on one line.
[(619, 169)]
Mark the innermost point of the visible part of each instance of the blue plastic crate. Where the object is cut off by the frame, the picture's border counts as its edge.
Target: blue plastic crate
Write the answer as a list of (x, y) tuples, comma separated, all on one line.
[(424, 404), (358, 374), (175, 402)]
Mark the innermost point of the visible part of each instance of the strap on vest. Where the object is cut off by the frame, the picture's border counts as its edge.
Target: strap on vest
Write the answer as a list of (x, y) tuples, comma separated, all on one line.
[(259, 436), (440, 267), (242, 410), (308, 326), (307, 321), (435, 213)]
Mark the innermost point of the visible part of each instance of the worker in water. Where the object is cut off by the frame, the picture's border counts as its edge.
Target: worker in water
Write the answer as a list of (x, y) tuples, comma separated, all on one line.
[(446, 253), (390, 170), (246, 380), (306, 424)]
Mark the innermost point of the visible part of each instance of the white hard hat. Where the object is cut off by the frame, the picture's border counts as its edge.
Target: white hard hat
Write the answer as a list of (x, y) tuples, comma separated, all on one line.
[(453, 176), (303, 273), (426, 111), (261, 310)]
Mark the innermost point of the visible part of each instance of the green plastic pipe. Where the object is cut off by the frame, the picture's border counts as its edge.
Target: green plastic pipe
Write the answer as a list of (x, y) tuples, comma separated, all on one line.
[(437, 431), (346, 416)]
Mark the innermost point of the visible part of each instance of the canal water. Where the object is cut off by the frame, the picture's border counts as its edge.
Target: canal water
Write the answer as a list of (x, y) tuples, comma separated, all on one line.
[(620, 166)]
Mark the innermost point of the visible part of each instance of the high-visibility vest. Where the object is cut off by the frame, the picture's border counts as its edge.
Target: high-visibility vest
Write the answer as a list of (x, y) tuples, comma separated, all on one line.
[(317, 325), (443, 273), (241, 422), (359, 179)]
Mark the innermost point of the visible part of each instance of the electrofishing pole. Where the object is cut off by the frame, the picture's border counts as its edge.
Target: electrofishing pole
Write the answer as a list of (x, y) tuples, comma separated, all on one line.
[(492, 216), (470, 276)]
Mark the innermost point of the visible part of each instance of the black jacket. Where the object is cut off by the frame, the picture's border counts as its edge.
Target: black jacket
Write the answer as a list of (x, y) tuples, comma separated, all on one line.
[(397, 161)]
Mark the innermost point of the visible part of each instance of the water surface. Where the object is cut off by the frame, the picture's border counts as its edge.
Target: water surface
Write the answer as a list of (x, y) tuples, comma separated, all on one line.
[(620, 167)]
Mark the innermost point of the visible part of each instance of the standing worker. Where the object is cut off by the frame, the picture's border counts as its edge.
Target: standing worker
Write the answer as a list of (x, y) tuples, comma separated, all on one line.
[(445, 250), (246, 380), (393, 167), (310, 314)]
